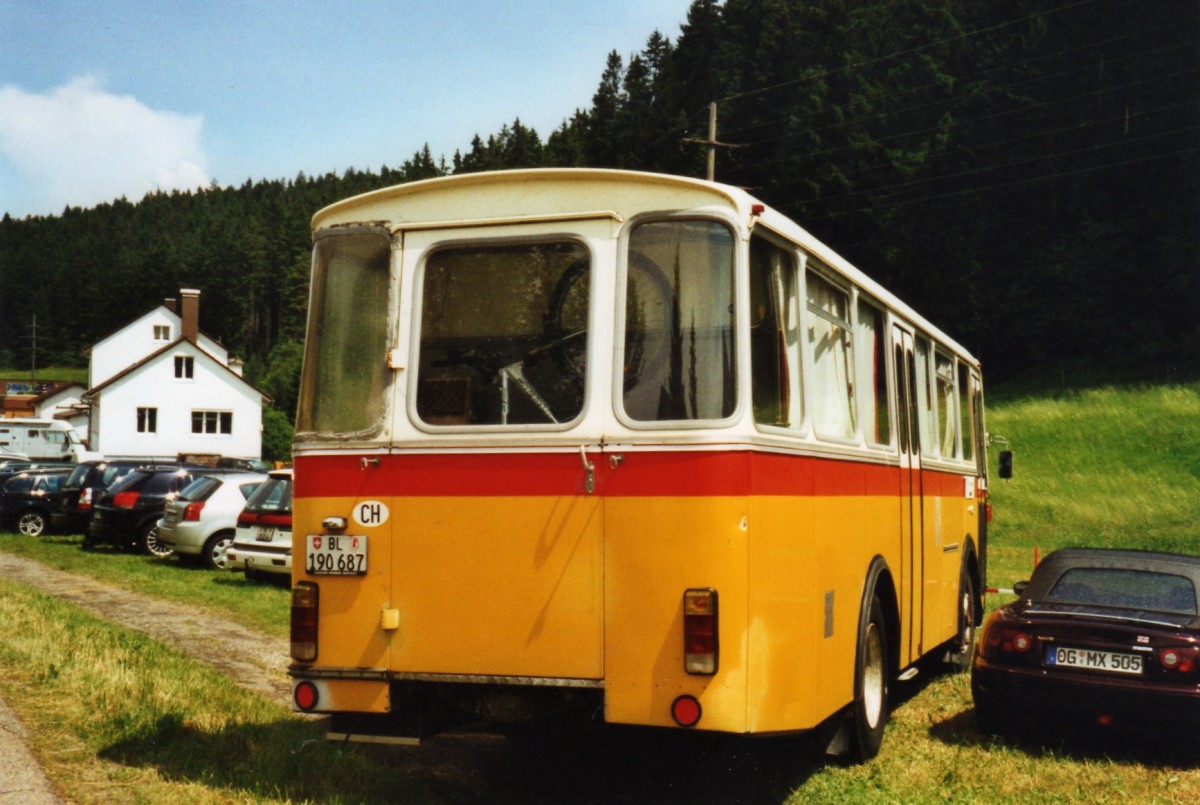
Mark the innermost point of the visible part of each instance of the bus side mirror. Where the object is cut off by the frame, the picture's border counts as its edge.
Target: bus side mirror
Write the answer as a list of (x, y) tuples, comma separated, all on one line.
[(1005, 465)]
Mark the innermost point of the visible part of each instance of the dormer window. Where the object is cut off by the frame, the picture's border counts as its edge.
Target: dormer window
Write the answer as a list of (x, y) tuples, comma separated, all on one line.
[(162, 332), (184, 367)]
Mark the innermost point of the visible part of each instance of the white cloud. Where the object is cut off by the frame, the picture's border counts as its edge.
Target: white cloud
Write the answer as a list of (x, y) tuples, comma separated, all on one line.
[(80, 145)]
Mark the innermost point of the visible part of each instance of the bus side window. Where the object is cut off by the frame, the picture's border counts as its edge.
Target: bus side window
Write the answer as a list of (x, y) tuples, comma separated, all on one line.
[(947, 417), (926, 415), (832, 361), (966, 410), (872, 359), (774, 333)]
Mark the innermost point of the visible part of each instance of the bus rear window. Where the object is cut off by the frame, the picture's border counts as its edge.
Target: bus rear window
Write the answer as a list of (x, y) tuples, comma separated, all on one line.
[(345, 363), (503, 335), (677, 350)]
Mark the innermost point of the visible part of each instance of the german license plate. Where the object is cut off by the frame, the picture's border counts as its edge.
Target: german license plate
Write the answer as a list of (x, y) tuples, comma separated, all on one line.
[(265, 533), (1114, 662), (336, 554)]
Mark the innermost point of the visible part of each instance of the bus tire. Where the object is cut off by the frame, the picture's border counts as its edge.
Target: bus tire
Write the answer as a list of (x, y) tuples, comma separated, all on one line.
[(962, 647), (869, 711)]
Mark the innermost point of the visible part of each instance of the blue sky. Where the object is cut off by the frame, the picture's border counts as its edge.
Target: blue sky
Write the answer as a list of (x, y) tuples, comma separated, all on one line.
[(105, 99)]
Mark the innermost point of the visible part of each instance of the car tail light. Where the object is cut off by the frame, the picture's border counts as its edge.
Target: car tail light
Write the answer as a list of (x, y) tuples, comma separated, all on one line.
[(125, 500), (191, 512), (700, 631), (1000, 639), (304, 622), (85, 500), (1181, 659)]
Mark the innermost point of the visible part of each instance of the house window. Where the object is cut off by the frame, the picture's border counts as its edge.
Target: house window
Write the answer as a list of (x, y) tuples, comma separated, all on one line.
[(184, 367), (162, 332), (147, 420), (212, 422)]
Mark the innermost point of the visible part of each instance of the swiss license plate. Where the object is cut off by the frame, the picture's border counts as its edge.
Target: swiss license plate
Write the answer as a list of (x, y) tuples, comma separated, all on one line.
[(265, 533), (1093, 660), (336, 554)]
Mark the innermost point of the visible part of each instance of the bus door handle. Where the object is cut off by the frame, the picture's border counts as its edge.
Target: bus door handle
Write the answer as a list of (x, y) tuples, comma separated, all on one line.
[(589, 470)]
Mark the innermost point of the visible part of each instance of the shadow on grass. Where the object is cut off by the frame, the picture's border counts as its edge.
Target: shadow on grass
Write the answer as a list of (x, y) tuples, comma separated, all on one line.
[(1145, 744), (291, 759)]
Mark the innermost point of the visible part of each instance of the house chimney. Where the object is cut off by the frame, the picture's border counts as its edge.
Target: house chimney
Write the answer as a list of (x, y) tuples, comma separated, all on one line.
[(169, 304), (190, 313)]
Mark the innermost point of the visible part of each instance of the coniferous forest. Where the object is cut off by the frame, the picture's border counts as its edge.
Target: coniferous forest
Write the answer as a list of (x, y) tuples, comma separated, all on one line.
[(1027, 174)]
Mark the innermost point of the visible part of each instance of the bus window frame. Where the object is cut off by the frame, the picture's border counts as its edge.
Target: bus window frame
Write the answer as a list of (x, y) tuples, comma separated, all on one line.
[(740, 246), (416, 306)]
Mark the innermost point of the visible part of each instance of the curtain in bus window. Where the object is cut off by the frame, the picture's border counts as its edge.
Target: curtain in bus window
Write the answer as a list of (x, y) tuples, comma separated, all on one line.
[(503, 334), (947, 415), (926, 415), (774, 334), (345, 365), (829, 343), (677, 351), (872, 357)]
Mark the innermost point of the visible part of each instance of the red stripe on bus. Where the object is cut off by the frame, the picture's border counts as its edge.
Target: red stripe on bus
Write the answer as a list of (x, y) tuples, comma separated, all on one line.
[(638, 474)]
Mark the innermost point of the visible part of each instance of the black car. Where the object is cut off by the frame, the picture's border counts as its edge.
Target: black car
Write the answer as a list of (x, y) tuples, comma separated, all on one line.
[(1097, 638), (27, 498), (126, 513), (83, 487)]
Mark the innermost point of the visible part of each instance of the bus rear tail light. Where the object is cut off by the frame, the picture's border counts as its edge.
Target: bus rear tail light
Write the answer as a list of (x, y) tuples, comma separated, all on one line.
[(700, 650), (125, 500), (304, 622)]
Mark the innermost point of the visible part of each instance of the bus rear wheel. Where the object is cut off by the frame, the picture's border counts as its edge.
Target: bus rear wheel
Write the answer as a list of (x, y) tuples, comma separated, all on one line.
[(869, 712)]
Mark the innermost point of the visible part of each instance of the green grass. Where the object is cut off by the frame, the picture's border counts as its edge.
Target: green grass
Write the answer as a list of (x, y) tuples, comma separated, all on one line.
[(1105, 467), (77, 375), (116, 717), (228, 595)]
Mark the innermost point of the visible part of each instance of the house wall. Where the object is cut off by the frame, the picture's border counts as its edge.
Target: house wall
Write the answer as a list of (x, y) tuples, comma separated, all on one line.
[(154, 385), (136, 340)]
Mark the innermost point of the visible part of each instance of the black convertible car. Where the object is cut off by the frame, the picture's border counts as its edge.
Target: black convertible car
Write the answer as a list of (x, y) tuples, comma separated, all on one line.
[(1096, 638)]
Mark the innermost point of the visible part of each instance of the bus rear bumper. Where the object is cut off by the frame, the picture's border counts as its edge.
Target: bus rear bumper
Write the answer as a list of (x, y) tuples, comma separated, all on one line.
[(395, 707)]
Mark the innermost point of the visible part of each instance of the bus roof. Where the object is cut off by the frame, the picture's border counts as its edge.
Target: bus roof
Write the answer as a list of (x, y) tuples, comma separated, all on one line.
[(560, 194)]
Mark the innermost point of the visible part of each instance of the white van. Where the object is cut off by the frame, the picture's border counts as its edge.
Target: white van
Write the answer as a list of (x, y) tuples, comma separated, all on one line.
[(43, 440)]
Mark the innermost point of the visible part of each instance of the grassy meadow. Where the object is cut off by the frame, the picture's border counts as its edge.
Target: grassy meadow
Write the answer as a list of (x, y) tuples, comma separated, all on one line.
[(115, 716)]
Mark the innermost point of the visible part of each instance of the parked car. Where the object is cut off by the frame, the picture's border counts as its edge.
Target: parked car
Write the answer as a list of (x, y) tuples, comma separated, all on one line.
[(83, 487), (200, 522), (127, 513), (27, 498), (263, 544), (1107, 638), (250, 464)]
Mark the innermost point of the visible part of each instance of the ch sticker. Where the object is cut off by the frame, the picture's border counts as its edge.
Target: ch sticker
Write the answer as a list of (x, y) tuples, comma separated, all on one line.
[(371, 513)]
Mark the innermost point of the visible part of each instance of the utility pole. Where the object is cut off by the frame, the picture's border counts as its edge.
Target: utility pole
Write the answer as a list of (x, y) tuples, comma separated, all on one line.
[(33, 352), (711, 143)]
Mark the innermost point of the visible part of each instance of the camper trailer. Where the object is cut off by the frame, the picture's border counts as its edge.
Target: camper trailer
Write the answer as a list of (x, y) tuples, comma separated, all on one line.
[(42, 440)]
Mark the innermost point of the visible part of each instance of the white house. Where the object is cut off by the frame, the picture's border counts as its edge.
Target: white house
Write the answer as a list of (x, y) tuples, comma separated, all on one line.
[(180, 395)]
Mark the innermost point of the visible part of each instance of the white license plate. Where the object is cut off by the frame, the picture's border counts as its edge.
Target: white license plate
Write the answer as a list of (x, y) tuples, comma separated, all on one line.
[(1093, 660), (265, 533), (336, 554)]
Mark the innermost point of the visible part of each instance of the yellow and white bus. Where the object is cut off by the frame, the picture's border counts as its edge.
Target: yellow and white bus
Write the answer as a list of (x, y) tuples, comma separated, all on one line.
[(626, 445)]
